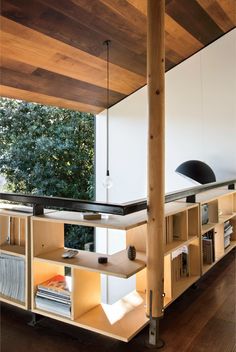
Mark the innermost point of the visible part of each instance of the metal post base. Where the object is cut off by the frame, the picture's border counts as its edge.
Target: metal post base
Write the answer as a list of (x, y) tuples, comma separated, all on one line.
[(36, 318), (154, 341), (195, 286)]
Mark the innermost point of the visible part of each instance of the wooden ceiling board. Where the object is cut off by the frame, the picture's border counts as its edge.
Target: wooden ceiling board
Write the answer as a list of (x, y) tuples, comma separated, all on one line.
[(46, 20), (52, 84), (53, 52), (62, 58), (15, 93), (194, 19), (181, 41), (216, 12), (229, 7)]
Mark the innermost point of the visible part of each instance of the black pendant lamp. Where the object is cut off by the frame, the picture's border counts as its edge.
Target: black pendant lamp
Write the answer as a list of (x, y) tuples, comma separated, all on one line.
[(196, 170)]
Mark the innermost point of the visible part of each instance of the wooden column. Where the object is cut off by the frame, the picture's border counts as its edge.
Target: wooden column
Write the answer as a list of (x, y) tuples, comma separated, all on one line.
[(156, 156)]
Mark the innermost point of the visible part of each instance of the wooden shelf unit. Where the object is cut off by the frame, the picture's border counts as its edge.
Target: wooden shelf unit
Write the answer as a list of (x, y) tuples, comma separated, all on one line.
[(222, 208), (183, 259), (15, 242), (87, 311), (182, 250)]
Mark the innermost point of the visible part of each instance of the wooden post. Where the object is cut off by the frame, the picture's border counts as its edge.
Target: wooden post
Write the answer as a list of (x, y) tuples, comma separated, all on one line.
[(156, 157)]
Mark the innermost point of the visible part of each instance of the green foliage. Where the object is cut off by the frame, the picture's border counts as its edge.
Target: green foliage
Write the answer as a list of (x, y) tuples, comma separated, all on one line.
[(47, 151), (78, 236)]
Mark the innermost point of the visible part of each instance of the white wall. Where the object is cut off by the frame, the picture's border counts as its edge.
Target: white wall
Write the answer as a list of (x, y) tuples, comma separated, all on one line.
[(200, 124), (201, 111)]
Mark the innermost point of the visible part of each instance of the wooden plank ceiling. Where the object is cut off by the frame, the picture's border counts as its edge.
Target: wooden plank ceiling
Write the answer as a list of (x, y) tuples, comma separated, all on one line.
[(52, 51)]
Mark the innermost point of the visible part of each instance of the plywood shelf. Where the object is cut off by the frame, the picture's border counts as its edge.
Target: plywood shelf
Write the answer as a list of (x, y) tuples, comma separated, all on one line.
[(13, 250), (207, 267), (112, 222), (183, 284), (118, 222), (172, 246), (223, 218), (213, 194), (208, 227), (178, 206), (12, 301), (122, 324), (231, 246), (118, 264), (15, 210)]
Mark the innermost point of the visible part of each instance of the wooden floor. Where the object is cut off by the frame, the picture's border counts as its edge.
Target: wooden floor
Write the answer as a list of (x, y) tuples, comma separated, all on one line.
[(201, 320)]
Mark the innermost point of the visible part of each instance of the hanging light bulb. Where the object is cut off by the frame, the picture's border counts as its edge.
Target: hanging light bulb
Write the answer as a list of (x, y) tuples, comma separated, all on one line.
[(107, 182)]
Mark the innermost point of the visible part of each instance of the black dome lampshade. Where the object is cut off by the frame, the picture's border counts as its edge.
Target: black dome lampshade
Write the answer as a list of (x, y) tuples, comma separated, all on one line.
[(196, 170)]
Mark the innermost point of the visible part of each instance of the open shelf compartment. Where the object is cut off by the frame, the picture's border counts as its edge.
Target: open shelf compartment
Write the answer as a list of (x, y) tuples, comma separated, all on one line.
[(121, 320), (14, 248)]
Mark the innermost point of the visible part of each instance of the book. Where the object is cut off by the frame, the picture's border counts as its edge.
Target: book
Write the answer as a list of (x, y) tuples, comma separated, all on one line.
[(57, 284), (54, 295), (53, 306), (208, 257), (12, 277), (91, 216)]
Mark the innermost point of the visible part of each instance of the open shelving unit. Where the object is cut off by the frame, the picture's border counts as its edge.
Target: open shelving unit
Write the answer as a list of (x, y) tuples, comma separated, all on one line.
[(221, 209), (87, 311), (15, 248), (39, 240), (182, 249)]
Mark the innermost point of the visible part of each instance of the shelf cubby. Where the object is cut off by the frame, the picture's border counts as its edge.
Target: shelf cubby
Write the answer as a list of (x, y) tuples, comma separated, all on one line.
[(193, 222), (181, 282), (118, 264), (15, 249), (48, 245), (221, 205), (225, 204), (87, 311), (41, 272)]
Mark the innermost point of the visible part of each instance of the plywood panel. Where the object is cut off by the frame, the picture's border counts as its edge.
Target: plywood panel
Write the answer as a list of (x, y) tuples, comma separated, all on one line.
[(85, 292), (4, 228), (58, 46), (46, 237), (118, 264), (137, 237)]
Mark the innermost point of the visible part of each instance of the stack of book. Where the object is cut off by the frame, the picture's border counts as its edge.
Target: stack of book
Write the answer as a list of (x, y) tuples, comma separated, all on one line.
[(208, 247), (228, 230), (54, 295), (12, 276), (180, 263)]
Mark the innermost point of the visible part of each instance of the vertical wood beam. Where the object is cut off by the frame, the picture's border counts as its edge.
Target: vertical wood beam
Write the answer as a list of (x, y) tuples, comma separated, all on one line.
[(156, 156)]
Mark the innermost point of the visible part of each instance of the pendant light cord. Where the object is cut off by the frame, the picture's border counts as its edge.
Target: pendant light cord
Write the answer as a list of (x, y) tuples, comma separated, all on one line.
[(107, 43)]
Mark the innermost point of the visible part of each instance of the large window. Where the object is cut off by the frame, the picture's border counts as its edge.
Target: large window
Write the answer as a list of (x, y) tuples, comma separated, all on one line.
[(49, 151)]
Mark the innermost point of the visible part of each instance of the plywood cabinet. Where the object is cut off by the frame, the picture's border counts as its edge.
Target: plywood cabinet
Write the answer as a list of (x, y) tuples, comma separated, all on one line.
[(190, 249), (87, 310), (218, 235), (15, 285)]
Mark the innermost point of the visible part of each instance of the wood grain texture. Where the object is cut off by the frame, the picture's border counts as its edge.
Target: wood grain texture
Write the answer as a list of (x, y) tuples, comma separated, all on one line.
[(156, 152), (59, 44), (203, 319), (15, 93)]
